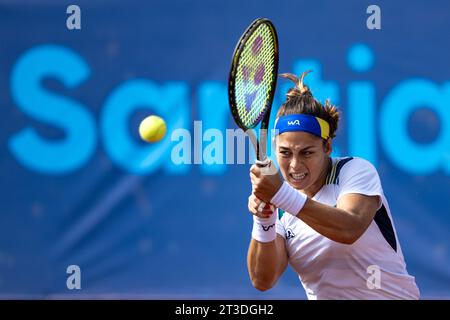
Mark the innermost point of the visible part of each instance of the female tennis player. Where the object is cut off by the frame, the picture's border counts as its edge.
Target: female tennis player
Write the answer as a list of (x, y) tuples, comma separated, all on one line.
[(332, 222)]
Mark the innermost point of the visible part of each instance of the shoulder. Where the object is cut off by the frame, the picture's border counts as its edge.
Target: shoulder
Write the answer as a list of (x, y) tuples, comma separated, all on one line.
[(344, 167), (356, 164), (359, 176)]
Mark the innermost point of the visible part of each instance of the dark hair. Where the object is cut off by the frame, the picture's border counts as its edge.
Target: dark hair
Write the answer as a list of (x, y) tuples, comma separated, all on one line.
[(299, 100)]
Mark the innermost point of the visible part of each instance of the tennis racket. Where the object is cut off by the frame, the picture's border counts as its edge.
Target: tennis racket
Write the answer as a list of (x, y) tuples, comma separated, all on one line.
[(252, 82)]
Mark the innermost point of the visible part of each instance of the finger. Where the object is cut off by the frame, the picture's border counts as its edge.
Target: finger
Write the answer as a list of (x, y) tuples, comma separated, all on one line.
[(259, 195), (269, 170), (261, 206), (268, 207), (252, 209), (255, 170), (261, 214), (256, 201), (256, 190), (252, 202), (266, 212), (255, 198), (253, 176)]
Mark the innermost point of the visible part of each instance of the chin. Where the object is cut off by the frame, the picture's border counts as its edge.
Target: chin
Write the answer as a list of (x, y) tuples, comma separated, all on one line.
[(298, 185)]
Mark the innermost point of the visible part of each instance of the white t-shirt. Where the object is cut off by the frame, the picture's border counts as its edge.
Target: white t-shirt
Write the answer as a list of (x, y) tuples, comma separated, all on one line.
[(373, 267)]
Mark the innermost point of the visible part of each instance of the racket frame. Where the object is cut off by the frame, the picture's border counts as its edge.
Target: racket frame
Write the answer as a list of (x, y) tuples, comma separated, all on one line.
[(261, 144)]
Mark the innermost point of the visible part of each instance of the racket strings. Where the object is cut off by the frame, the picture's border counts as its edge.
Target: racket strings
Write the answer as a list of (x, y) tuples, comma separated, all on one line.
[(254, 76)]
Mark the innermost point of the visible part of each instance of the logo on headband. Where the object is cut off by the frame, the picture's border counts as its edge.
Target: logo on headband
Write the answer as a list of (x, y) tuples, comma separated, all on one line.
[(293, 123), (303, 122)]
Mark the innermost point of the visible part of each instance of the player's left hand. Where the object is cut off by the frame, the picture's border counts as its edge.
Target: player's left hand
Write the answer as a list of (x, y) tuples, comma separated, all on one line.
[(265, 181)]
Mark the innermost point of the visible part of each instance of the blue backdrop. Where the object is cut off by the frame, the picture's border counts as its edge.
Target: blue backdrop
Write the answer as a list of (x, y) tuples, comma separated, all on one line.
[(79, 188)]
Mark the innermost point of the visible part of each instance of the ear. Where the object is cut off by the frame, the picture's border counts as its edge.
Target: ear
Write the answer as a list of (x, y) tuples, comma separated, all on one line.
[(327, 147)]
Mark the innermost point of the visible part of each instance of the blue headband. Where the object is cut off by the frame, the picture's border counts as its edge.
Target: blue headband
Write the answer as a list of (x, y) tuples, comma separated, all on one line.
[(303, 122)]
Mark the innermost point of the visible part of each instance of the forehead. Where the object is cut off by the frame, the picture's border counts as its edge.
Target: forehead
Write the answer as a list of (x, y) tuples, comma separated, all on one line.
[(298, 140)]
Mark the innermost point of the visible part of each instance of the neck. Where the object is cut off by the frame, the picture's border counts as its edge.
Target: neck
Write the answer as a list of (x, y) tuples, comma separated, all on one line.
[(316, 186)]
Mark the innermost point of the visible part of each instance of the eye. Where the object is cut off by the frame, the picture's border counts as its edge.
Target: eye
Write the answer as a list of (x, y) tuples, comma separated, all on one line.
[(285, 153), (308, 153)]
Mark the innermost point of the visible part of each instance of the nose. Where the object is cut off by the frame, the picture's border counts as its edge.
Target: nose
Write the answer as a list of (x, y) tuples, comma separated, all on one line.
[(296, 164)]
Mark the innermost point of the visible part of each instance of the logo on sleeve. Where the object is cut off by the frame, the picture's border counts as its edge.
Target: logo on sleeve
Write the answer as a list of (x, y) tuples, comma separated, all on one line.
[(289, 234)]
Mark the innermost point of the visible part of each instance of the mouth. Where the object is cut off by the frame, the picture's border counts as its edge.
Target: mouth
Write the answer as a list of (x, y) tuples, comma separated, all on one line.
[(298, 177)]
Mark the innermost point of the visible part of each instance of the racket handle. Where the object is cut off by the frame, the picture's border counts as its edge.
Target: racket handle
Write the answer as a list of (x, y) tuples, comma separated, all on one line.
[(263, 163)]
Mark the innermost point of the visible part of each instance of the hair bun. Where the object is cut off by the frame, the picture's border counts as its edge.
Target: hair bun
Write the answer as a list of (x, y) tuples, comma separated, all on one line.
[(300, 100), (299, 89)]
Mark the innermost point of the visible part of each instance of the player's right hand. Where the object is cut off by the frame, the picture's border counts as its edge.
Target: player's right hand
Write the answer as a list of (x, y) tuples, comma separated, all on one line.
[(253, 205)]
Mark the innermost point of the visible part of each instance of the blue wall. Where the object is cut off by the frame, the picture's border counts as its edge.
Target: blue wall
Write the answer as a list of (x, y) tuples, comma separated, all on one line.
[(78, 187)]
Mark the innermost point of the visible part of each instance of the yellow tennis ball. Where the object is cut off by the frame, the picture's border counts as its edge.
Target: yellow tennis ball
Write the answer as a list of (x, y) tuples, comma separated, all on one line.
[(152, 129)]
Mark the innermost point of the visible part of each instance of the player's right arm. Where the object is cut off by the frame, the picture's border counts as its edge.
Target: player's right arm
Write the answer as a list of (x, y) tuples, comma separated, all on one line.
[(266, 261)]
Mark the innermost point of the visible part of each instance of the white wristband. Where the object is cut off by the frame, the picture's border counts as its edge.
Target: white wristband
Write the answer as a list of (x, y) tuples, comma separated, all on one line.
[(289, 199), (264, 229)]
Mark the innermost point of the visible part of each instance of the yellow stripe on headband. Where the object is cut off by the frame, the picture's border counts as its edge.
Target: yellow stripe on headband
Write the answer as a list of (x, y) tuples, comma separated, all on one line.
[(324, 128)]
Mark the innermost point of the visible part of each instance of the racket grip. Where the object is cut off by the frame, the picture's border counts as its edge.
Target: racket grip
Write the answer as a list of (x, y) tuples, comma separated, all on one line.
[(263, 163)]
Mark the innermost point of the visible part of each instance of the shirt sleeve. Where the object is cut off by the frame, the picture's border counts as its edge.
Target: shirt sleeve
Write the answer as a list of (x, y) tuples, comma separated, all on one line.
[(360, 176), (279, 226)]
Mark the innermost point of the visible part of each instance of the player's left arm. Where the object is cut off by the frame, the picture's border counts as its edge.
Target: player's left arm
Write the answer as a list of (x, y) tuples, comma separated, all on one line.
[(344, 223)]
